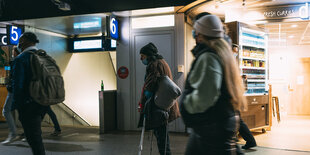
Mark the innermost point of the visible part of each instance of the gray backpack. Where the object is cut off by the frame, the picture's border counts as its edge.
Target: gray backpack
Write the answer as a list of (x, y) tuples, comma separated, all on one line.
[(167, 93), (46, 85)]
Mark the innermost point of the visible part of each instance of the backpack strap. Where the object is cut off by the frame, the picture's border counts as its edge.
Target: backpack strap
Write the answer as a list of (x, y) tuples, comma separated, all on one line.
[(34, 52), (38, 52)]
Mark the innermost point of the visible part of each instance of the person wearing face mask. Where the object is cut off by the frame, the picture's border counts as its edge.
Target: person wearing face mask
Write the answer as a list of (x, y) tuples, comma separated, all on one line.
[(30, 112), (7, 106), (213, 92), (156, 67)]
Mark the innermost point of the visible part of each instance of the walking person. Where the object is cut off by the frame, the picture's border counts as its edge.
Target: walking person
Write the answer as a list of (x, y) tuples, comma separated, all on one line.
[(30, 112), (156, 119), (7, 112), (243, 130), (213, 92)]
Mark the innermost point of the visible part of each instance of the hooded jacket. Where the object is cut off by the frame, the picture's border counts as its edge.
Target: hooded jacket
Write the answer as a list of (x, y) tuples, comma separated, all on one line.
[(154, 70)]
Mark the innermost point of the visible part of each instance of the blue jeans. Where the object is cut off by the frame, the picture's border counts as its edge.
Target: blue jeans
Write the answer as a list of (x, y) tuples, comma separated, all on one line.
[(8, 115)]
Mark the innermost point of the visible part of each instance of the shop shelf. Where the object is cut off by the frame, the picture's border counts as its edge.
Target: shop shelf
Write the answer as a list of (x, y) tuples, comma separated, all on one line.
[(254, 80), (256, 87), (258, 68), (255, 94), (250, 58), (260, 33), (261, 48), (254, 39), (254, 76), (256, 46)]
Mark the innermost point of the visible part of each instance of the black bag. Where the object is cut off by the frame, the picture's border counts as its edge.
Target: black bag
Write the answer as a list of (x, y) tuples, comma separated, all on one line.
[(167, 93), (46, 85)]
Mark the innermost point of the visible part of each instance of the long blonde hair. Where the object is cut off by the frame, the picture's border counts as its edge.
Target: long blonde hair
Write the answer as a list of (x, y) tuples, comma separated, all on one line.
[(231, 71)]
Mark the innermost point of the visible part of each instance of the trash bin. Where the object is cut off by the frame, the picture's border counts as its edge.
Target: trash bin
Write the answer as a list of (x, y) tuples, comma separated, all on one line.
[(107, 111)]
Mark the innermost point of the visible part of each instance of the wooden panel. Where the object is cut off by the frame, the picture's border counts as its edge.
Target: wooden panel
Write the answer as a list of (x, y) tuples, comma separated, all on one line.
[(233, 31), (257, 115), (3, 94), (257, 99), (300, 81)]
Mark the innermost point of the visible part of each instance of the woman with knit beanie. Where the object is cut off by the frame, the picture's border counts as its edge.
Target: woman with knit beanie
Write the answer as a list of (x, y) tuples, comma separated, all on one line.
[(156, 118), (213, 92)]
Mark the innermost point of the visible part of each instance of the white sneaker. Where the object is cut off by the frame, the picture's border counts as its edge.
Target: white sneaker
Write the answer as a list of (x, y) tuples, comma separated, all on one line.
[(9, 140), (24, 140)]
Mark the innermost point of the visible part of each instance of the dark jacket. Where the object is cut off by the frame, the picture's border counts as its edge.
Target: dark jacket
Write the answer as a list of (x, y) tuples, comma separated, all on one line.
[(21, 74), (154, 70)]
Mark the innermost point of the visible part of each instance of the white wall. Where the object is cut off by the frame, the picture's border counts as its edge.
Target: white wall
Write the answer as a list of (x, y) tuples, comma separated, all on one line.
[(82, 74), (280, 61), (124, 85), (83, 77)]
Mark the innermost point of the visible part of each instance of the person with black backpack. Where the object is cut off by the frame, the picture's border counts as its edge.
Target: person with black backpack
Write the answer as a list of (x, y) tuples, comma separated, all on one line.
[(36, 84)]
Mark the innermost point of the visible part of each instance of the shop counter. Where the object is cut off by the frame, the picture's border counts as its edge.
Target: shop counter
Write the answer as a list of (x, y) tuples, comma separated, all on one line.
[(257, 115)]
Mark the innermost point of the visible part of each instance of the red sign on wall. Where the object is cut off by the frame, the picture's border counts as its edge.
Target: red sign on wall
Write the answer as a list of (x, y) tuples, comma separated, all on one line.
[(122, 72)]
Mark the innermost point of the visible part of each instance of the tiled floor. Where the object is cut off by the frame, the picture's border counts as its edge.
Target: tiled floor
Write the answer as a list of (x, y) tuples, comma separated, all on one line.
[(291, 133), (289, 137)]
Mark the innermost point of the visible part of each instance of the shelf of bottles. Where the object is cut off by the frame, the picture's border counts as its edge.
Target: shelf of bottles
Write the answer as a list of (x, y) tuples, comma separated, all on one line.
[(253, 60)]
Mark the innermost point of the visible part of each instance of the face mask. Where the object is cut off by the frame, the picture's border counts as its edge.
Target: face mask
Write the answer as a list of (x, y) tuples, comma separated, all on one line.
[(194, 34), (144, 61), (235, 55)]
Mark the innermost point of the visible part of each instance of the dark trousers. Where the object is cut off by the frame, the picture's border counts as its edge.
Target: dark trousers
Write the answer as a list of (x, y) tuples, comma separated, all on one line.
[(30, 116), (53, 117), (246, 133), (162, 137), (217, 138)]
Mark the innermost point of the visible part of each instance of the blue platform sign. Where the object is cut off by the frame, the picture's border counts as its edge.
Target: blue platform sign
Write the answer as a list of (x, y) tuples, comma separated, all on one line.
[(114, 28), (14, 33)]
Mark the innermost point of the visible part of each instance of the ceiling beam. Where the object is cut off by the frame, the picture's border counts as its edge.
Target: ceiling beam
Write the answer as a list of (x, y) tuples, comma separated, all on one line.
[(31, 9)]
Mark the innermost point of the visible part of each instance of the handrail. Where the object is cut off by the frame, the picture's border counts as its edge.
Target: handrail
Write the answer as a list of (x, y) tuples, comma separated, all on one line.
[(68, 110)]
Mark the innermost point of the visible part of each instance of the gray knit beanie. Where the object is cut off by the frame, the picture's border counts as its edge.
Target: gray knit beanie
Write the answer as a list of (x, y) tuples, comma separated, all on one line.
[(209, 25)]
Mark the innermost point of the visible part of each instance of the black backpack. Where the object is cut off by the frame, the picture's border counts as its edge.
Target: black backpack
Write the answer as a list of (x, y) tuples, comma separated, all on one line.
[(46, 85)]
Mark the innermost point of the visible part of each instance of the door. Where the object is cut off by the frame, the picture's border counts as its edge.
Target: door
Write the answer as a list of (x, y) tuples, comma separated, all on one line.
[(300, 88), (164, 41)]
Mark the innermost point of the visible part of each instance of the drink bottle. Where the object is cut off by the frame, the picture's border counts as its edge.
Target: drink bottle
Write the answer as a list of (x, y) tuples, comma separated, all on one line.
[(102, 86)]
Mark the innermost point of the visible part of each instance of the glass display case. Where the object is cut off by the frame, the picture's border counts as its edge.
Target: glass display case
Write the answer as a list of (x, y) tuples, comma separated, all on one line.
[(253, 64), (253, 60)]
